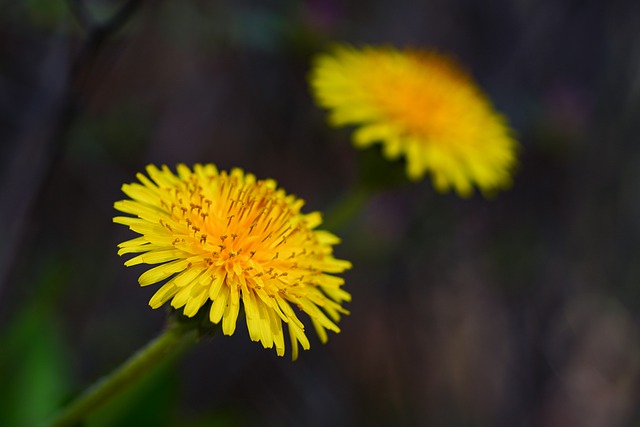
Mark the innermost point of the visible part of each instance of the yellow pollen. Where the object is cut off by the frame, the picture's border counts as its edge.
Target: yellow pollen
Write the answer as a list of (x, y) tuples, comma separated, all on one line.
[(212, 203)]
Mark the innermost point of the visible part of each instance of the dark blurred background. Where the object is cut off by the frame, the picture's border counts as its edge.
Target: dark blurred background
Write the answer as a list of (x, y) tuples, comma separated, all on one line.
[(518, 311)]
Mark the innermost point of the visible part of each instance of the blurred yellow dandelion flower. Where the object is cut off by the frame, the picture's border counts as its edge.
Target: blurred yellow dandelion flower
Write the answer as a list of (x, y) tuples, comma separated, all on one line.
[(230, 238), (420, 105)]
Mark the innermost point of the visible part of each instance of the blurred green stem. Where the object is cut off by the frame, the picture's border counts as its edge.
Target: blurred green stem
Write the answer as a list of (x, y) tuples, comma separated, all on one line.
[(346, 208), (174, 339)]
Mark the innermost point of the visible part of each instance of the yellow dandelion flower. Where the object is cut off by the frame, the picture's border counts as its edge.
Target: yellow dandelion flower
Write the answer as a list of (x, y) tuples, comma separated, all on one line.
[(230, 238), (420, 105)]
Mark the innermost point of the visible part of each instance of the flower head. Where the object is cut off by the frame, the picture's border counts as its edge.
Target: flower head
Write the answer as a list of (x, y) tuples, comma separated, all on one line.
[(230, 238), (420, 105)]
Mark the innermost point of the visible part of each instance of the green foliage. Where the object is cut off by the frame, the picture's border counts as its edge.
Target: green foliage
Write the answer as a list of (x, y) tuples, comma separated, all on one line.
[(47, 13), (34, 362), (150, 402)]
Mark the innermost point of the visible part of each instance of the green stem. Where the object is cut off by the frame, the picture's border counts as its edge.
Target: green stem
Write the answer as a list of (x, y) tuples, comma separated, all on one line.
[(174, 339), (345, 209)]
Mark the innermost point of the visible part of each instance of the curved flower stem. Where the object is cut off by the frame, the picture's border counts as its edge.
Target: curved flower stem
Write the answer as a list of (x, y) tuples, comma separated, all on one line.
[(173, 340)]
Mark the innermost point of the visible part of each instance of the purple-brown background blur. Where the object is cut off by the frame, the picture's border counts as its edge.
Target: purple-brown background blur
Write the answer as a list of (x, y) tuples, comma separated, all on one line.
[(518, 311)]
